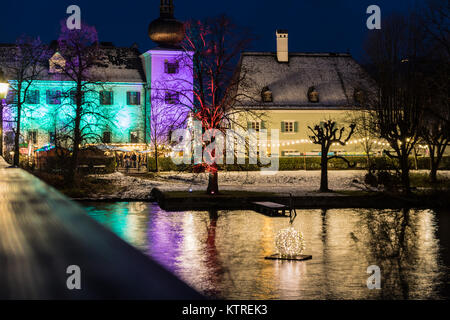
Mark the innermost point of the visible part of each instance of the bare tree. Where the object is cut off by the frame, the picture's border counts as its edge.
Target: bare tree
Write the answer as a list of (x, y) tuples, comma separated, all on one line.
[(326, 135), (436, 127), (365, 131), (164, 119), (26, 64), (395, 53), (216, 44), (80, 51)]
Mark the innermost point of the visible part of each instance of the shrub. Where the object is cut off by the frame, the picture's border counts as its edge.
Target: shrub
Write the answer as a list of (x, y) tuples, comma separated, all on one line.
[(305, 163)]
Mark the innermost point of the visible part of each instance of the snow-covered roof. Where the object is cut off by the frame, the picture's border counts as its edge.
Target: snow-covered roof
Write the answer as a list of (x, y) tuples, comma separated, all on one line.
[(115, 64), (335, 76)]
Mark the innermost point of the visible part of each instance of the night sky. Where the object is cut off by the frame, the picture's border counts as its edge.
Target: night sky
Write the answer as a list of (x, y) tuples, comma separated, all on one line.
[(314, 25)]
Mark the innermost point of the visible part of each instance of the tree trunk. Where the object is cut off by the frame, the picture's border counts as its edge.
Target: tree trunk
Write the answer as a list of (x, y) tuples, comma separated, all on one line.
[(76, 137), (433, 171), (324, 170), (213, 181), (156, 159), (16, 159), (404, 164)]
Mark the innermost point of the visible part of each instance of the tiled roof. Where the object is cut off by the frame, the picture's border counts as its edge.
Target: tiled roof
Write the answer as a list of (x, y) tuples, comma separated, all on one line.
[(335, 77), (116, 64)]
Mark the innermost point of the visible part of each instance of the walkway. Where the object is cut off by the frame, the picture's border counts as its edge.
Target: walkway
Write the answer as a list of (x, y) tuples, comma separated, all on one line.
[(42, 233)]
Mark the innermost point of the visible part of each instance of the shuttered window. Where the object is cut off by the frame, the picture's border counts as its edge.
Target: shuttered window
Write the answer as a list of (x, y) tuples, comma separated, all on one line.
[(133, 98)]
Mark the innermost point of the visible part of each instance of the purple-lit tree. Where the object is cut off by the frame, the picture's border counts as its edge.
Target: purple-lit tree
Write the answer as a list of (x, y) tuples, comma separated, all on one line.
[(26, 64), (164, 119), (216, 44)]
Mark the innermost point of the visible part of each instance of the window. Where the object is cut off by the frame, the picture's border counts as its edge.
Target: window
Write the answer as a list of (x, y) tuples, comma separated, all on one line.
[(53, 96), (266, 95), (289, 126), (56, 63), (255, 125), (134, 137), (9, 137), (172, 98), (170, 67), (12, 97), (133, 98), (32, 136), (106, 98), (51, 137), (32, 97), (313, 95), (73, 97), (106, 137)]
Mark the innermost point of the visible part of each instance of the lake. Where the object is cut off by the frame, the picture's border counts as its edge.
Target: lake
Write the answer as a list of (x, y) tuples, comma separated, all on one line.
[(221, 253)]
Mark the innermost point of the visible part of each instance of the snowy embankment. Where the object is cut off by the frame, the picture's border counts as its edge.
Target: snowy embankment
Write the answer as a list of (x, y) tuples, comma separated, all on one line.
[(298, 183)]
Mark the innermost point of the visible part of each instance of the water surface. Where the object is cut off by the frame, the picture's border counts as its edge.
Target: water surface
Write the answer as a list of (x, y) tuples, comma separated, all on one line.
[(222, 253)]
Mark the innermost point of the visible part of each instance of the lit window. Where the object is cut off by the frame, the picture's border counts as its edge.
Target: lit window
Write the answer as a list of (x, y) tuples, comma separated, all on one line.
[(106, 137), (73, 97), (133, 98), (51, 137), (170, 67), (53, 96), (32, 136), (172, 98), (32, 97), (289, 126), (57, 63), (106, 98), (255, 125), (134, 137)]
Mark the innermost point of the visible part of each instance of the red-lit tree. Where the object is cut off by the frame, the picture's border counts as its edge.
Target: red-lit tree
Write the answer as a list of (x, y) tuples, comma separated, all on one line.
[(216, 44)]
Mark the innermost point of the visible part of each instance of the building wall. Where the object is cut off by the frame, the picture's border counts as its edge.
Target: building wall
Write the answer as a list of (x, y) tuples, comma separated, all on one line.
[(298, 142), (122, 118)]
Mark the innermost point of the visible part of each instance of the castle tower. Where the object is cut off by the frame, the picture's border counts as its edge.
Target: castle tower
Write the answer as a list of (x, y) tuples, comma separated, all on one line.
[(169, 75)]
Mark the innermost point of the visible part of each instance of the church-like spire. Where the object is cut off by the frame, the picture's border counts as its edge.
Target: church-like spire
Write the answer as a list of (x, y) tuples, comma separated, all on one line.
[(166, 9)]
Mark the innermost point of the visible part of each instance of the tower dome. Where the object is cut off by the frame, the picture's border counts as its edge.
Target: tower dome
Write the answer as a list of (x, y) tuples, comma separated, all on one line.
[(166, 30)]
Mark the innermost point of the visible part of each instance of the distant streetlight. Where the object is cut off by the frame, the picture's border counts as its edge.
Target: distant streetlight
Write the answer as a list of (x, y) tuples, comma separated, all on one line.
[(4, 86)]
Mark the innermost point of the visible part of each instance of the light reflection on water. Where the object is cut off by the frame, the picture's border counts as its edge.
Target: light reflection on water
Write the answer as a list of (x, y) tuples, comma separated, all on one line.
[(222, 253)]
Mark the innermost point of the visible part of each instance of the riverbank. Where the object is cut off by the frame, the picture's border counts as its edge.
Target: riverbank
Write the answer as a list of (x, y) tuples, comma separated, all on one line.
[(175, 191)]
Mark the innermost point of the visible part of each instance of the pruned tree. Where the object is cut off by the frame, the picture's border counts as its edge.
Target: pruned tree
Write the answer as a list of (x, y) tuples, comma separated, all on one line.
[(396, 55), (26, 64), (326, 135)]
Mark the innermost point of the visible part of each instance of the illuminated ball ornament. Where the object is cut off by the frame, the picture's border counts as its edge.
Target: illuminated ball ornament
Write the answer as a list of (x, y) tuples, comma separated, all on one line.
[(290, 242)]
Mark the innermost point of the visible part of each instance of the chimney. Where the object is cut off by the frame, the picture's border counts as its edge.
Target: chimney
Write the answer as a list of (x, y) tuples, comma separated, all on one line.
[(282, 46)]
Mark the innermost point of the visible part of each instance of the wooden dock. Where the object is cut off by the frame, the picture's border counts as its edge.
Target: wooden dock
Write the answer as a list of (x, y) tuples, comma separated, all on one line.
[(271, 208), (42, 233)]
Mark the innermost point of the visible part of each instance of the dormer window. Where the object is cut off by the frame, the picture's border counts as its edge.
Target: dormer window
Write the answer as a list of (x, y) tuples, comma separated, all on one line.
[(313, 95), (57, 63), (266, 95), (359, 96)]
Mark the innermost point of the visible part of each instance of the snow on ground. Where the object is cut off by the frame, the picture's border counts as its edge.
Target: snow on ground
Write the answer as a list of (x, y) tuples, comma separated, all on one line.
[(296, 182)]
